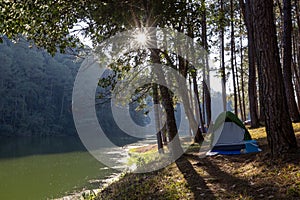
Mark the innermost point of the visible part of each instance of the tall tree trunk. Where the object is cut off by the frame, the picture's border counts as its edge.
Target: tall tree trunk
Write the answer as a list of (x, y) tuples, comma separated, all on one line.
[(207, 98), (206, 105), (297, 83), (287, 61), (204, 111), (280, 134), (279, 29), (197, 102), (167, 102), (223, 74), (239, 91), (295, 70), (252, 91), (242, 80), (174, 141), (192, 102), (232, 52), (260, 88), (194, 124), (189, 112), (297, 40), (183, 69), (297, 6), (157, 119), (206, 77)]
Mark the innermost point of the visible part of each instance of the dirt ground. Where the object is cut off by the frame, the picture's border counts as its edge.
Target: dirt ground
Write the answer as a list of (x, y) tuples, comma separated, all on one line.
[(248, 176)]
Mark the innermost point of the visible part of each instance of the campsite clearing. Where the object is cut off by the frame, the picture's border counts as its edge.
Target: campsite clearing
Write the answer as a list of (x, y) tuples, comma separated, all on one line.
[(247, 176)]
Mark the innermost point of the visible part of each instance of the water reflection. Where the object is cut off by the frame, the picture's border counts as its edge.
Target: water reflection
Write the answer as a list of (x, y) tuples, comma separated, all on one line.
[(46, 167), (13, 147)]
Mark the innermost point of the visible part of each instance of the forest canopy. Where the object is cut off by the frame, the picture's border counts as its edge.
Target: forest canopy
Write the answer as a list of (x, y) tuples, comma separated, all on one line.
[(270, 62), (36, 90)]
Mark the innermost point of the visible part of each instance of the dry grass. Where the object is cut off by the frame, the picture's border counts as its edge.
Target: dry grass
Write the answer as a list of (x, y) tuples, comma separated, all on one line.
[(249, 176)]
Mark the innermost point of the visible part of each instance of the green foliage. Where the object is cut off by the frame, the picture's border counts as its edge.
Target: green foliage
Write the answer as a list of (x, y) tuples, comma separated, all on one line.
[(35, 91), (46, 23), (53, 24), (293, 191), (143, 159), (89, 195)]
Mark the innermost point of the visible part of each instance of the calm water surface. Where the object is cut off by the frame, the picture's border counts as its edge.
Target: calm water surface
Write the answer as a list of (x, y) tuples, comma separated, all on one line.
[(46, 168)]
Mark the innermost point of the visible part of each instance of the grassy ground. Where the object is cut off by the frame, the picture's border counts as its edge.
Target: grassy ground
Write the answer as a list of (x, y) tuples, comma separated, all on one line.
[(248, 176)]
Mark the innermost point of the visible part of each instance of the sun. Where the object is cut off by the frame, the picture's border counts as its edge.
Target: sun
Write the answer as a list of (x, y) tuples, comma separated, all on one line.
[(141, 38)]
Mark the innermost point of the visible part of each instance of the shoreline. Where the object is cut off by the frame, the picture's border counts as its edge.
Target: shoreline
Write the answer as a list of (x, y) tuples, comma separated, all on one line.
[(85, 193), (105, 182), (246, 176), (135, 148)]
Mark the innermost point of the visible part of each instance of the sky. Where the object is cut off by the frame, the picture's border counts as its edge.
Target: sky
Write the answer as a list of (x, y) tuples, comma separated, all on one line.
[(215, 82)]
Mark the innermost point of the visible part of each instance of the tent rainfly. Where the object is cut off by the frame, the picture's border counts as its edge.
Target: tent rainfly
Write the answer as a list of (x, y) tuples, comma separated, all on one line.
[(230, 136)]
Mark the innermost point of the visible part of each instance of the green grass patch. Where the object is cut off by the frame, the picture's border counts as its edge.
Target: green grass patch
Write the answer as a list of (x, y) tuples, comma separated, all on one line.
[(260, 133), (141, 158), (248, 176)]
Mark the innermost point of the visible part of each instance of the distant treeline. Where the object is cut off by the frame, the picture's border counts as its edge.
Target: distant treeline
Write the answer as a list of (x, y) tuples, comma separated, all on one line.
[(36, 94), (35, 90)]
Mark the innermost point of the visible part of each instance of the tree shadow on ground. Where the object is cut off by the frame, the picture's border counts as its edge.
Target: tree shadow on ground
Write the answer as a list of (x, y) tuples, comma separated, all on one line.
[(195, 182), (233, 186), (224, 171)]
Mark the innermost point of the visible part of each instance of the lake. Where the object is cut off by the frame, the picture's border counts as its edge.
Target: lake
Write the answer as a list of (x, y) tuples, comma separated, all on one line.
[(46, 167)]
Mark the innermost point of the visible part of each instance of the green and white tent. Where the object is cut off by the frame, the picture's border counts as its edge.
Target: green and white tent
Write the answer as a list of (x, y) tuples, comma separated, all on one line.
[(230, 136)]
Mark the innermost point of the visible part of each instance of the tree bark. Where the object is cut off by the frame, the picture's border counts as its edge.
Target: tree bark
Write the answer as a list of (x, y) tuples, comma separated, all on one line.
[(260, 89), (223, 74), (157, 119), (242, 81), (183, 69), (297, 7), (197, 102), (192, 103), (297, 83), (252, 91), (239, 91), (287, 61), (280, 134), (296, 52), (167, 101), (295, 70), (206, 77), (232, 52), (206, 108), (207, 98), (187, 107)]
